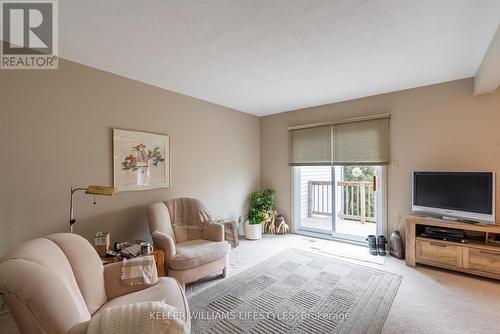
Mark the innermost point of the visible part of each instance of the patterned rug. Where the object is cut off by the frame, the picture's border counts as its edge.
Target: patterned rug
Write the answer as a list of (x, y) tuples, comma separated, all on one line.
[(297, 292)]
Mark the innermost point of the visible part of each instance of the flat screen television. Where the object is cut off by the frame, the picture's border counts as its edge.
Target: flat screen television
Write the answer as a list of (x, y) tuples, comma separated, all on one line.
[(455, 195)]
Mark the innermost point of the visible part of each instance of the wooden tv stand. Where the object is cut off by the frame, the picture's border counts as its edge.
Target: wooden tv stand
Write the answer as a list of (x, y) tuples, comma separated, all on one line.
[(477, 257)]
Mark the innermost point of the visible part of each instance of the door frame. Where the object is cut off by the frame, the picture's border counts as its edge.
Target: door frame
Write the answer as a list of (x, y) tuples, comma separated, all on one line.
[(382, 182)]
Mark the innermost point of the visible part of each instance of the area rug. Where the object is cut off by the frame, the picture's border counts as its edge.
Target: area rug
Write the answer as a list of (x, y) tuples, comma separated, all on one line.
[(297, 292)]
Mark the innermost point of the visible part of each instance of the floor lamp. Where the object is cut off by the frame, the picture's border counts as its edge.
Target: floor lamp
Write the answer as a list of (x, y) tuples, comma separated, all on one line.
[(91, 190)]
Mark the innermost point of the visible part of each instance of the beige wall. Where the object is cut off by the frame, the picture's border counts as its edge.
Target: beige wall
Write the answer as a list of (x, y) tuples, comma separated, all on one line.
[(55, 132), (439, 127)]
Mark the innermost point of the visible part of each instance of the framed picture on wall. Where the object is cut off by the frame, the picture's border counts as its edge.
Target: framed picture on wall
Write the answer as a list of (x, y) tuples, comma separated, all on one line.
[(141, 160)]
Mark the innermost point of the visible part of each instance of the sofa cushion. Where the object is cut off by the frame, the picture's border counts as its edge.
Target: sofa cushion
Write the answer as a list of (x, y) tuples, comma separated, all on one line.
[(40, 298), (87, 268), (193, 253), (39, 275), (159, 219)]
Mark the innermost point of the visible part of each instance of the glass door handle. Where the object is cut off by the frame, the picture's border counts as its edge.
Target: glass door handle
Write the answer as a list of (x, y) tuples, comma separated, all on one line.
[(374, 183)]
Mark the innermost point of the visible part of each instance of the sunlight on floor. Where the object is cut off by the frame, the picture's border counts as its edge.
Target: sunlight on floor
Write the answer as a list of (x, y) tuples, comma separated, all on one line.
[(343, 226)]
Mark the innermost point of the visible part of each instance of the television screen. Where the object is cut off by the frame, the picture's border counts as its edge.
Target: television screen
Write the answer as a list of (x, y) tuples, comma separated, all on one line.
[(459, 191)]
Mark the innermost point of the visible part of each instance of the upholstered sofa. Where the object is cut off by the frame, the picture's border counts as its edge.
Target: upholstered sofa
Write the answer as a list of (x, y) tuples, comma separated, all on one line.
[(190, 254), (57, 284)]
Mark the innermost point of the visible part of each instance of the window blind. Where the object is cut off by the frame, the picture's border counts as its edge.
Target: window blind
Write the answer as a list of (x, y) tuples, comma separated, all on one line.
[(363, 141), (311, 146)]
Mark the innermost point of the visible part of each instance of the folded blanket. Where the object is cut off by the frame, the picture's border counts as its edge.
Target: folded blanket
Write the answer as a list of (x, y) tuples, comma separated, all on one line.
[(139, 318), (138, 271), (188, 213)]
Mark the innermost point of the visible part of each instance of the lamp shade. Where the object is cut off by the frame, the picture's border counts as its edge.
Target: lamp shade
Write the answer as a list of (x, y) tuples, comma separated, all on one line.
[(101, 190)]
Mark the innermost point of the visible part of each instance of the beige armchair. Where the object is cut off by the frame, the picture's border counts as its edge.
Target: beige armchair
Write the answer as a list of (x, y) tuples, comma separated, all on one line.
[(190, 254), (57, 284)]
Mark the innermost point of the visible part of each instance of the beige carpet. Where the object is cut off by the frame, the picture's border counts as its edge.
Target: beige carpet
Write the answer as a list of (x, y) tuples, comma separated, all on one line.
[(349, 251), (429, 300), (297, 292)]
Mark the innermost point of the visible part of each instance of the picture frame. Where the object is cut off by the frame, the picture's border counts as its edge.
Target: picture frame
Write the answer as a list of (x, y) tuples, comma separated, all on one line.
[(141, 160)]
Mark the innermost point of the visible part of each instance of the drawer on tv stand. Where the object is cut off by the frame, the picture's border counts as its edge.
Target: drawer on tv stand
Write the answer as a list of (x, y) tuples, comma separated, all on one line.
[(439, 252), (482, 260)]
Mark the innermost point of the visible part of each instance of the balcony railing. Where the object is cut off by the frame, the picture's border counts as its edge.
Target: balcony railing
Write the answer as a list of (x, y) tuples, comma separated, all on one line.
[(357, 200), (319, 198)]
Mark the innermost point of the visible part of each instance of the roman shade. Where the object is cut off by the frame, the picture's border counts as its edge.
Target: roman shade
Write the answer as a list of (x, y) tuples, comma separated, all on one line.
[(361, 141)]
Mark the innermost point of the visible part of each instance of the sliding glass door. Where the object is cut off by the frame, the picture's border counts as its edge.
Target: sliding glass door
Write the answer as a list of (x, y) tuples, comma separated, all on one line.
[(313, 199), (358, 202), (338, 176), (345, 202)]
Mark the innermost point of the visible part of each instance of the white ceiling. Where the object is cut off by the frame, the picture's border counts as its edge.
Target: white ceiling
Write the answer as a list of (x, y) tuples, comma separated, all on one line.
[(269, 56)]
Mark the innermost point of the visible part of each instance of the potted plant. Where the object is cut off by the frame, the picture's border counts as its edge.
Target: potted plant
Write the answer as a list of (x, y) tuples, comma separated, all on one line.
[(262, 204)]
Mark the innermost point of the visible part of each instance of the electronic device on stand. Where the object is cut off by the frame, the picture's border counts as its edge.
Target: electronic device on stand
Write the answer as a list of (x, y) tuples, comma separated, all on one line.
[(463, 197)]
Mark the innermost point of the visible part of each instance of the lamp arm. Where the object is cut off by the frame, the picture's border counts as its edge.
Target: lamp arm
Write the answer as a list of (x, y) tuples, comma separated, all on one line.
[(72, 219)]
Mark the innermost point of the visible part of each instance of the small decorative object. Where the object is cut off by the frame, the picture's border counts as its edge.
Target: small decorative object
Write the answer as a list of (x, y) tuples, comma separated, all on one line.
[(146, 248), (283, 227), (241, 227), (277, 226), (141, 160), (102, 242), (270, 223), (117, 246), (90, 190), (396, 247)]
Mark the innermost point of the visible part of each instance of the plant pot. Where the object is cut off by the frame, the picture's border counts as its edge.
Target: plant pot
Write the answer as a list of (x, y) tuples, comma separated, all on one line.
[(253, 231)]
